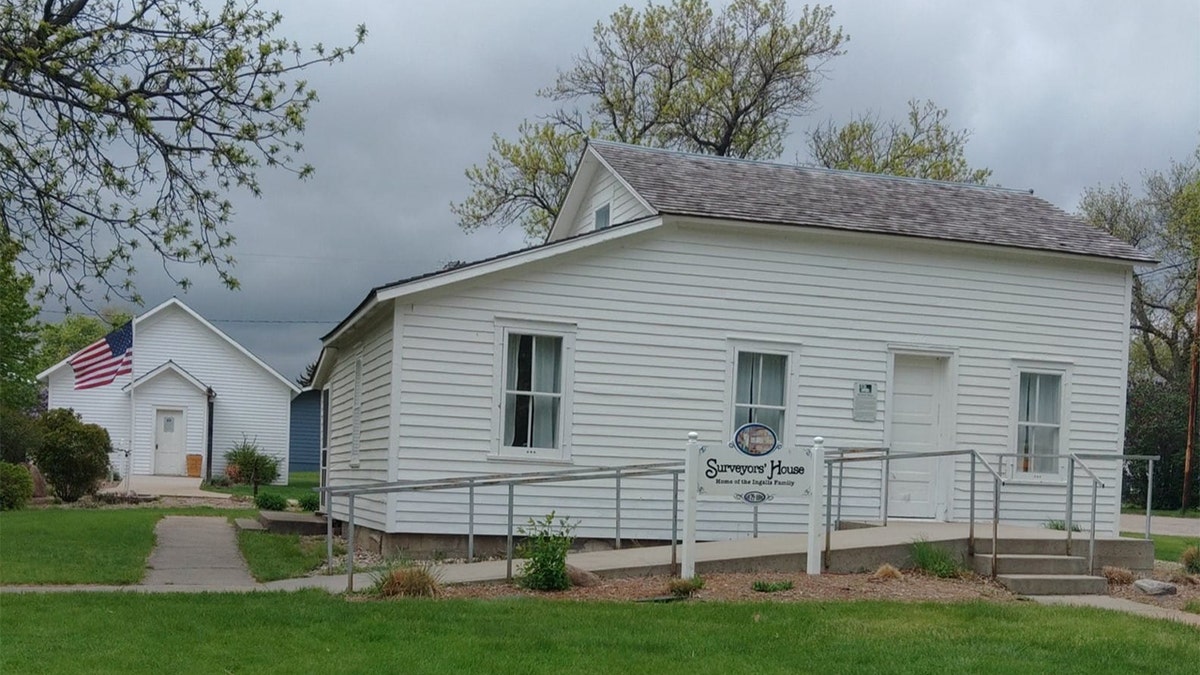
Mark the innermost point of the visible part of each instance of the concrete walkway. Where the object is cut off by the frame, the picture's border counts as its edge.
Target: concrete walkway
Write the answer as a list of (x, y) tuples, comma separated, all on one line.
[(1181, 527), (1118, 605), (166, 486), (197, 552)]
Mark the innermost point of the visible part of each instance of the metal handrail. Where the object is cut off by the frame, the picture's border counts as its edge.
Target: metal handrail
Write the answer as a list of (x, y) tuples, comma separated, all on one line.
[(511, 480), (1077, 458)]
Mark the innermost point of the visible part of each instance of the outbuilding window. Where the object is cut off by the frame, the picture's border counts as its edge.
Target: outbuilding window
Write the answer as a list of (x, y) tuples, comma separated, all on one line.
[(534, 396), (602, 217), (1039, 422), (760, 390)]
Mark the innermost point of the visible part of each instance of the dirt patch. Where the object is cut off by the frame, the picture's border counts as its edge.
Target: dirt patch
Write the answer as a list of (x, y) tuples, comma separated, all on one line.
[(155, 503), (913, 587), (1163, 571)]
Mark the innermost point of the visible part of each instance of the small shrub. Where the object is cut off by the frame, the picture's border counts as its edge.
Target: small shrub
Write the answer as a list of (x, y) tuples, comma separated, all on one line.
[(219, 481), (269, 501), (685, 588), (935, 560), (1061, 525), (1117, 576), (245, 463), (545, 552), (408, 580), (885, 572), (772, 586), (73, 456), (16, 486), (1190, 559), (310, 501), (20, 436)]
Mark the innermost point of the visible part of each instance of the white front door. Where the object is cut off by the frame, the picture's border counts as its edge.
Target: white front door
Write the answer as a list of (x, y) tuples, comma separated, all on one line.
[(915, 423), (169, 433)]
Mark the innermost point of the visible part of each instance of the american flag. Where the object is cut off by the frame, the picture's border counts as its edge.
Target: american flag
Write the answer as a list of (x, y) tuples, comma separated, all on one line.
[(102, 361)]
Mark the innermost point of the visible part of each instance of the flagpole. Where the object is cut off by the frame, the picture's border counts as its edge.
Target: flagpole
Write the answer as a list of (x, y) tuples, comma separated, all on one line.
[(132, 408)]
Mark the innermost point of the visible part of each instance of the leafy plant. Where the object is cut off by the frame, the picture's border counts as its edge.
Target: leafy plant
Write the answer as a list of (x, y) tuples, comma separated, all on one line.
[(73, 456), (935, 560), (545, 552), (20, 436), (771, 586), (16, 486), (269, 501), (310, 501), (1190, 559), (407, 579), (685, 588), (1061, 525), (247, 464)]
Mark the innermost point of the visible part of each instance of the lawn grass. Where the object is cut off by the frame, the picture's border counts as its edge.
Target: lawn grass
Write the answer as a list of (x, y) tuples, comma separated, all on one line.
[(314, 632), (300, 483), (1170, 513), (83, 546), (1166, 546), (282, 556)]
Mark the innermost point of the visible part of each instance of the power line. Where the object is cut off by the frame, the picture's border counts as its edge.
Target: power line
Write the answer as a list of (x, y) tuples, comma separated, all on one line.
[(1164, 268)]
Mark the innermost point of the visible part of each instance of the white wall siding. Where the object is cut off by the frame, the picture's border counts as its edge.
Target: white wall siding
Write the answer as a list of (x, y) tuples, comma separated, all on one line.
[(373, 344), (169, 391), (654, 316), (107, 406), (606, 189)]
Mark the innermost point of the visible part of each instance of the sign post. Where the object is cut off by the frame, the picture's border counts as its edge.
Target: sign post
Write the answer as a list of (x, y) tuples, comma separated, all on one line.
[(687, 569), (815, 504)]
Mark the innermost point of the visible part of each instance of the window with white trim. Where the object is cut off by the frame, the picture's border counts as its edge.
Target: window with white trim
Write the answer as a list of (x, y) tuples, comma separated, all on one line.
[(1039, 422), (602, 217), (760, 390), (534, 393)]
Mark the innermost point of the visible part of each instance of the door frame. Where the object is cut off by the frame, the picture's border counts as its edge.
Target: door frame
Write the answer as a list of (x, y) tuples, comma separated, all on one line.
[(944, 497), (183, 416)]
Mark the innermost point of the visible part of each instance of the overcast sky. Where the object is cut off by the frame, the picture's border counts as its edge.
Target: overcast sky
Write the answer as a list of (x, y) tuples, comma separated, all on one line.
[(1059, 95)]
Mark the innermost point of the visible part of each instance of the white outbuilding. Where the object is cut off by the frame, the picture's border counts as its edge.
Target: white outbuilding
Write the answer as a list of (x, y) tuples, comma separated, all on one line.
[(192, 394), (683, 293)]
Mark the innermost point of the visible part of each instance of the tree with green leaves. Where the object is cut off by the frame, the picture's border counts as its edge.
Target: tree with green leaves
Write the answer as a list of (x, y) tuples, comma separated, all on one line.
[(922, 146), (57, 341), (18, 334), (124, 124), (679, 76), (1164, 221)]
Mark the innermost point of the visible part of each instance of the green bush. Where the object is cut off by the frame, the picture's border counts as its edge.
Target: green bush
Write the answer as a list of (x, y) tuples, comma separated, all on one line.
[(545, 552), (16, 486), (685, 588), (20, 436), (1155, 424), (218, 481), (310, 501), (246, 464), (269, 501), (935, 560), (73, 456), (1190, 559)]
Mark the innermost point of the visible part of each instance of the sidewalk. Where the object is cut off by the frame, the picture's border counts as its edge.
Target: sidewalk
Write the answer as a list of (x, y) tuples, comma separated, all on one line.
[(1181, 527)]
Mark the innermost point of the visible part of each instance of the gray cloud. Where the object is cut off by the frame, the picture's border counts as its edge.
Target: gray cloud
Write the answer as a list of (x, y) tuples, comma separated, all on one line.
[(1059, 96)]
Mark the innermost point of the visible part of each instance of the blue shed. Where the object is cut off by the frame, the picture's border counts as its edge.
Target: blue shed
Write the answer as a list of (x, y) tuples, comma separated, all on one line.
[(305, 449)]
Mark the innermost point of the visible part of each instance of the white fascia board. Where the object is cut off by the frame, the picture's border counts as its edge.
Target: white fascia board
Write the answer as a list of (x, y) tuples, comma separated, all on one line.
[(625, 184), (575, 192), (170, 366)]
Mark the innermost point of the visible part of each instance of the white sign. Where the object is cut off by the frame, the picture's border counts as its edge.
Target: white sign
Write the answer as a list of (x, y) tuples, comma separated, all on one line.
[(753, 468), (866, 401)]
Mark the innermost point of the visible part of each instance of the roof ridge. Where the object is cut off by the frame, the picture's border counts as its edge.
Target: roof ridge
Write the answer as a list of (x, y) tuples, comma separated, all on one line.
[(808, 167)]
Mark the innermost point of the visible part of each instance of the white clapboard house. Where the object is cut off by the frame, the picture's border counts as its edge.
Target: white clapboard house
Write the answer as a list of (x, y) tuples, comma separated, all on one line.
[(679, 293), (194, 391)]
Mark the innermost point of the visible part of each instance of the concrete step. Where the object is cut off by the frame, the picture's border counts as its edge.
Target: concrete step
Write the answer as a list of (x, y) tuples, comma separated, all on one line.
[(1030, 563), (983, 546), (249, 524), (1134, 554), (288, 522), (1053, 584)]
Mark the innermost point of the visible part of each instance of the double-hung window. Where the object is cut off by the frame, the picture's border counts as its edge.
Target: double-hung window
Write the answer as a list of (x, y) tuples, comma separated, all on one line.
[(760, 390), (535, 392), (1039, 420)]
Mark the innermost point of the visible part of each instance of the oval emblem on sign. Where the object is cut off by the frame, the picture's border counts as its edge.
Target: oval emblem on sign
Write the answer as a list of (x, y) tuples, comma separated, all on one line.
[(755, 439), (754, 498)]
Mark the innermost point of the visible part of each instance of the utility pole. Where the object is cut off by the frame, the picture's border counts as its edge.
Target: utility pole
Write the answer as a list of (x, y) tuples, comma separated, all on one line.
[(1192, 400)]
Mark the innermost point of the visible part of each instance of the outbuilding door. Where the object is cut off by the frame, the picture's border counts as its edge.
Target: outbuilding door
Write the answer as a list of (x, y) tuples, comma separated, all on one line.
[(169, 432), (915, 416)]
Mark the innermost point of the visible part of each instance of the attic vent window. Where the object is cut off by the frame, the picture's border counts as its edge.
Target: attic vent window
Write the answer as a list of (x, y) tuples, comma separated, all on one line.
[(602, 217)]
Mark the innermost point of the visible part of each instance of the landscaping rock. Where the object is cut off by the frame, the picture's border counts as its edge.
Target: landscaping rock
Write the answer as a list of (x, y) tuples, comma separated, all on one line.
[(581, 577), (1154, 587)]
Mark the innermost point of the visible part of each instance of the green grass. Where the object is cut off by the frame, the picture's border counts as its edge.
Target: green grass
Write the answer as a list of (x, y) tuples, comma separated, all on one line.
[(934, 559), (299, 483), (315, 632), (281, 556), (1170, 513), (82, 546), (1193, 606), (1166, 546)]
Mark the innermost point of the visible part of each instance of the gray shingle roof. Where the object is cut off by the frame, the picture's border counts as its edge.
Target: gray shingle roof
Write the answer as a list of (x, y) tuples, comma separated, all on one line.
[(716, 187)]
